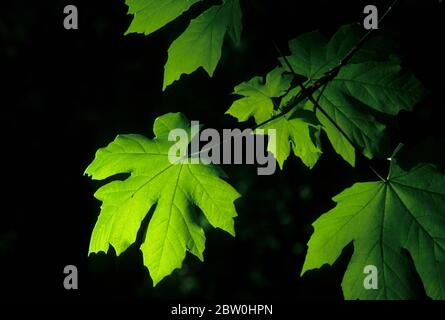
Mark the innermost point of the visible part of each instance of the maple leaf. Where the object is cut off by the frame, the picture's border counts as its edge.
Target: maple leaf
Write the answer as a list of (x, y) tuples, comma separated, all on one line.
[(175, 189), (200, 44), (383, 219)]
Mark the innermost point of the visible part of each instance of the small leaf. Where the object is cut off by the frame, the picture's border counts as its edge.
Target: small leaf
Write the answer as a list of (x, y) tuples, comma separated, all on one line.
[(296, 132), (257, 96)]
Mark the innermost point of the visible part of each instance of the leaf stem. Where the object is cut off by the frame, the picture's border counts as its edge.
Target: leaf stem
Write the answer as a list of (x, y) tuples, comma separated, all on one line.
[(378, 174), (362, 41)]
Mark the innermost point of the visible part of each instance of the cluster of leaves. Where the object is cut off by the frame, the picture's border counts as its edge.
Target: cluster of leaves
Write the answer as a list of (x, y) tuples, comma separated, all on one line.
[(384, 220), (352, 109), (200, 44), (404, 211)]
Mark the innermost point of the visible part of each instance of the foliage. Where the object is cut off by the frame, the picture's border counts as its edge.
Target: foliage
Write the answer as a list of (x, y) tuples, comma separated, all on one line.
[(200, 44), (382, 218), (347, 89), (174, 190), (361, 90)]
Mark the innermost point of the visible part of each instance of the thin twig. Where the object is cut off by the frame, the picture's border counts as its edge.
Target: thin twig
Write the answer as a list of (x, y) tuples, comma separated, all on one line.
[(378, 174), (362, 41)]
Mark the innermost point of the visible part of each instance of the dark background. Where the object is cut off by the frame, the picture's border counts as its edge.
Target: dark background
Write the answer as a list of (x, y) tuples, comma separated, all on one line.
[(66, 93)]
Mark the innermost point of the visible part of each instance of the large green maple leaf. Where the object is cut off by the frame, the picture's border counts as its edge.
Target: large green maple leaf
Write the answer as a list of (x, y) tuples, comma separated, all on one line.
[(386, 221), (371, 84), (201, 43), (175, 189)]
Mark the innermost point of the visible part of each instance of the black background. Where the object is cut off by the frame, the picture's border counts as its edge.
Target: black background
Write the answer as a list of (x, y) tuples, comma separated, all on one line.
[(66, 93)]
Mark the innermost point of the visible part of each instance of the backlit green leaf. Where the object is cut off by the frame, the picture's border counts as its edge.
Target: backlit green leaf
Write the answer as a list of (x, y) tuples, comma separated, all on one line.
[(175, 189), (387, 221), (151, 15), (200, 45), (303, 137), (257, 96)]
